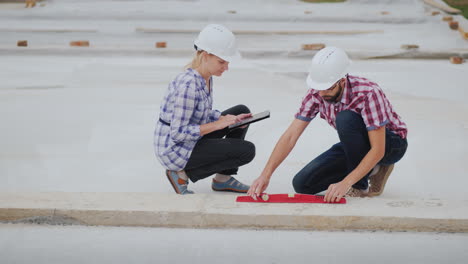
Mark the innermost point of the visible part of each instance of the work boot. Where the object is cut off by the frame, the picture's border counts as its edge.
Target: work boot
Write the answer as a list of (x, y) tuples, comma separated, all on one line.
[(378, 179), (353, 192)]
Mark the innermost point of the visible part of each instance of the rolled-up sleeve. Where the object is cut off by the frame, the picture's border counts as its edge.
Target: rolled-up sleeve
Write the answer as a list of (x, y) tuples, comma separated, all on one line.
[(309, 108), (374, 112), (214, 115), (184, 107)]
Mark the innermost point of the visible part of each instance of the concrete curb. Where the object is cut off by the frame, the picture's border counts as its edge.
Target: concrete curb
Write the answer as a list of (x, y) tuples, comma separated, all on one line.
[(221, 211)]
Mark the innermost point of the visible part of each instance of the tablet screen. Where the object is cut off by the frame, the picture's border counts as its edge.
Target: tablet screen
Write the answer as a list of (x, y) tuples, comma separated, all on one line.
[(254, 118)]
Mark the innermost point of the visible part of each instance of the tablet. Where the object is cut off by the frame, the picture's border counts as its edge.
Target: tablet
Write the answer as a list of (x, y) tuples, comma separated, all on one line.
[(253, 119)]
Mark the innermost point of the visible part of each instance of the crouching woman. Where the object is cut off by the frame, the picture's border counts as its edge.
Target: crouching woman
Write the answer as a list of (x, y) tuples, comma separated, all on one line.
[(193, 141)]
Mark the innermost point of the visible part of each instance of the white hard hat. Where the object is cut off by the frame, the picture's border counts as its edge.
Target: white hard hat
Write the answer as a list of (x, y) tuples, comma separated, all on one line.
[(328, 66), (218, 40)]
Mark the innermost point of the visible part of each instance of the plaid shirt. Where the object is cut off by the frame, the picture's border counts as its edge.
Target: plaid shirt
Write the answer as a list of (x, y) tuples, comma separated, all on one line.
[(360, 95), (187, 104)]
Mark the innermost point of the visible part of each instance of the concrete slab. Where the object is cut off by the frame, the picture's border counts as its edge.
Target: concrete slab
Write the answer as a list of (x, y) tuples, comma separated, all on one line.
[(117, 25), (81, 119), (222, 211)]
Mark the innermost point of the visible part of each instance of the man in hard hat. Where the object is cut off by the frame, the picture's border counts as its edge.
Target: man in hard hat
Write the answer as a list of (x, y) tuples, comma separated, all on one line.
[(372, 135)]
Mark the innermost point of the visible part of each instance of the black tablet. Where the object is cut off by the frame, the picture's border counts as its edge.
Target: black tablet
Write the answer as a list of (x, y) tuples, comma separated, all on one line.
[(254, 118)]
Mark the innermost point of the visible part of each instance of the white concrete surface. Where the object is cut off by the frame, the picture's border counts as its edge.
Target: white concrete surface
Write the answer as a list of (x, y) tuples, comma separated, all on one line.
[(21, 244), (83, 122)]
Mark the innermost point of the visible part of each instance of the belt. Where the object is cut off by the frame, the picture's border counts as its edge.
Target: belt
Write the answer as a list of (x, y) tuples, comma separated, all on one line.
[(164, 122)]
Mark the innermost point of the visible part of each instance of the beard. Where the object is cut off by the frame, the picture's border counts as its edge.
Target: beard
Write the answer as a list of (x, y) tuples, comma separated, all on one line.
[(333, 98)]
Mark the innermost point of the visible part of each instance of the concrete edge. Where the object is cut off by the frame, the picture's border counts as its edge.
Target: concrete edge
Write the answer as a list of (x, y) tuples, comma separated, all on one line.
[(229, 221), (250, 54), (221, 211)]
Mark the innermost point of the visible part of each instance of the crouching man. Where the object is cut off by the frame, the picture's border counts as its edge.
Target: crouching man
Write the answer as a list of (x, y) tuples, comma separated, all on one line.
[(372, 135)]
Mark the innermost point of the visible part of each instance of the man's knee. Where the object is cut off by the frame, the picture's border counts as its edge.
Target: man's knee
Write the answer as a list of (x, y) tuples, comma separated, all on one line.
[(298, 187), (349, 120), (298, 184), (347, 116)]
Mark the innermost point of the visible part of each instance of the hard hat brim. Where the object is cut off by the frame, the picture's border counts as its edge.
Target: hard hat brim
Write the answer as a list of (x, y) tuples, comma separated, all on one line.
[(324, 85), (317, 85), (237, 56)]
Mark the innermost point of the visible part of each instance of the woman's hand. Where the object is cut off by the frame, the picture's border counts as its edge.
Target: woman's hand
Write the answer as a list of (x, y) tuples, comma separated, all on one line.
[(228, 120), (242, 117), (336, 191), (258, 187), (225, 121)]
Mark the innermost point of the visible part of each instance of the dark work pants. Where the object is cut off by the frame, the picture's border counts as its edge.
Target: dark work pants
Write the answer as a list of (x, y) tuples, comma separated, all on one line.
[(215, 154), (336, 163)]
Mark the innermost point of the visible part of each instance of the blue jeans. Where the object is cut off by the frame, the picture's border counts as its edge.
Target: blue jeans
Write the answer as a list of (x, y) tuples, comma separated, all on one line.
[(336, 163)]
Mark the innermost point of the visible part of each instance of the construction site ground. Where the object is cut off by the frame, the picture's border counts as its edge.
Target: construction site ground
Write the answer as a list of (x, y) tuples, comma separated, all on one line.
[(77, 129)]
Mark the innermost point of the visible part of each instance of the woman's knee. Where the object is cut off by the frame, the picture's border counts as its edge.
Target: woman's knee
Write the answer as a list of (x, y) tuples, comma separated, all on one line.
[(243, 109), (248, 152), (236, 110)]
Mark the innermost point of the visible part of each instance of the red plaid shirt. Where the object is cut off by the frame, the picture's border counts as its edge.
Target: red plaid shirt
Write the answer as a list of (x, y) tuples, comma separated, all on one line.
[(360, 95)]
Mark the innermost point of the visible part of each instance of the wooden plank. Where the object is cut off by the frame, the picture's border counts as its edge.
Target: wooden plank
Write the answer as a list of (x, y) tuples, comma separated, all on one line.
[(443, 7), (463, 32), (32, 30), (263, 32)]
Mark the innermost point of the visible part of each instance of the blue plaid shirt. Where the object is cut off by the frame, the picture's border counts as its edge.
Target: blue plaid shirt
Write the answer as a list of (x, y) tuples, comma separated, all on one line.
[(187, 104)]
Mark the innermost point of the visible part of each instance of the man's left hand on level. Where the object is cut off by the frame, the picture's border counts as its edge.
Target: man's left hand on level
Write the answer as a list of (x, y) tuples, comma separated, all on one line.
[(336, 191)]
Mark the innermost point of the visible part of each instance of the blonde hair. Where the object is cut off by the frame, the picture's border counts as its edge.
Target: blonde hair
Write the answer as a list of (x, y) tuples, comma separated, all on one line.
[(196, 61)]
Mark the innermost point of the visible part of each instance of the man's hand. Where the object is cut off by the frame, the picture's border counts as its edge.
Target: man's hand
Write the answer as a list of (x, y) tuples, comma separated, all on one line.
[(282, 149), (258, 187), (336, 191)]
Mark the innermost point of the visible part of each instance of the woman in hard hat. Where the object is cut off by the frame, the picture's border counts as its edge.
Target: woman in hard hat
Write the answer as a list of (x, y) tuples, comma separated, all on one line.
[(372, 135), (191, 140)]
